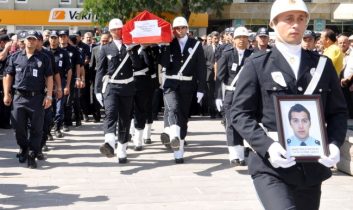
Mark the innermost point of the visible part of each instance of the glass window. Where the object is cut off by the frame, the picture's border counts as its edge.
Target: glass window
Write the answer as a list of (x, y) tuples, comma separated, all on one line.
[(4, 1), (21, 1), (65, 1), (80, 1)]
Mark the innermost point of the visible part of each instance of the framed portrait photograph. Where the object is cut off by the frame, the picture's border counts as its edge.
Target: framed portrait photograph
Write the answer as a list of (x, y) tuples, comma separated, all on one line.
[(301, 126)]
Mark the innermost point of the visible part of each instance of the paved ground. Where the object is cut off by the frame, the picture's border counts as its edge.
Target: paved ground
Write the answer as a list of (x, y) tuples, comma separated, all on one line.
[(76, 176)]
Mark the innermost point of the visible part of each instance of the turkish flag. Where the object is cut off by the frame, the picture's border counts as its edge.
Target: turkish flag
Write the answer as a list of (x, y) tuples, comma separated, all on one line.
[(147, 28)]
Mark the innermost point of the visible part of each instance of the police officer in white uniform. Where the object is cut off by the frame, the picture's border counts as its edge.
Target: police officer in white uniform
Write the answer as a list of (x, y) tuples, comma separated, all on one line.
[(185, 73), (280, 181), (229, 66), (115, 84)]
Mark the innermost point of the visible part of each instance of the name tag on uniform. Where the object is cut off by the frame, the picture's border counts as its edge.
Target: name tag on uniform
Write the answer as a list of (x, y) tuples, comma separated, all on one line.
[(18, 69), (60, 63), (35, 72), (109, 57), (277, 76), (234, 67), (70, 54)]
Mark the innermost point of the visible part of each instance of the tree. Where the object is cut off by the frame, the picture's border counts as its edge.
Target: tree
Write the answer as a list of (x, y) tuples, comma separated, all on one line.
[(126, 9)]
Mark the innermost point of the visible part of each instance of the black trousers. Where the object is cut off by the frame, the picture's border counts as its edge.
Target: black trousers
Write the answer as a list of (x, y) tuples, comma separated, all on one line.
[(142, 107), (28, 110), (233, 137), (5, 111), (210, 96), (348, 95), (47, 125), (177, 107), (117, 111), (277, 195)]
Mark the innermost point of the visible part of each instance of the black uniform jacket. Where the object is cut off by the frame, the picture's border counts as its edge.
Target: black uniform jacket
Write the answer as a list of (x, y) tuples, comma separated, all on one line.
[(253, 103), (195, 68), (226, 72), (109, 59)]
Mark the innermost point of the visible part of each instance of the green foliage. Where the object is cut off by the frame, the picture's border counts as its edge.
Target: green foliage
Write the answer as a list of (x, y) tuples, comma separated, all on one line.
[(127, 9)]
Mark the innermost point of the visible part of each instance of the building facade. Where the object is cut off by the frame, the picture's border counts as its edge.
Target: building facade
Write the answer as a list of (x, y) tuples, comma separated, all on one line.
[(335, 14), (19, 15)]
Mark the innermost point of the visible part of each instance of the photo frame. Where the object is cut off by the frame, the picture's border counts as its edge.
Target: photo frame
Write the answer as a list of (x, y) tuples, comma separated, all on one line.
[(301, 126)]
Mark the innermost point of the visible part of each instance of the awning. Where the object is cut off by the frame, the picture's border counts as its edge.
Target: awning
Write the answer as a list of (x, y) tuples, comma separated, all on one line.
[(344, 11)]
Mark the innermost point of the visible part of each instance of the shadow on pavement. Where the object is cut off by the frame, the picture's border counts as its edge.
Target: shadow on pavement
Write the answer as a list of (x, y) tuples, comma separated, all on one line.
[(20, 196)]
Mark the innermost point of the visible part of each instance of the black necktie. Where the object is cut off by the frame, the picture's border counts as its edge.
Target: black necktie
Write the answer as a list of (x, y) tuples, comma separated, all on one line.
[(302, 144)]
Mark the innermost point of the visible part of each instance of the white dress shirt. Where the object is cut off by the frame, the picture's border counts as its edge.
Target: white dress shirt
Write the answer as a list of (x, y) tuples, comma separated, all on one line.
[(292, 54)]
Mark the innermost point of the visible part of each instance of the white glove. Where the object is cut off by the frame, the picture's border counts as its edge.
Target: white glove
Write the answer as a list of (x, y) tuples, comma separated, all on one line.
[(333, 158), (279, 156), (219, 104), (99, 98), (199, 96)]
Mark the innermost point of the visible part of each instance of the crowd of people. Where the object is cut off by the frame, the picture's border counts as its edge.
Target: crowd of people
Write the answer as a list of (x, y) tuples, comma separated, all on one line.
[(53, 80)]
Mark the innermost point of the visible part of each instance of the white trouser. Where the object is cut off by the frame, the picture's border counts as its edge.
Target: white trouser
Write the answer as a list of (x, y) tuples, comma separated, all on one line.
[(147, 131), (179, 153), (138, 138), (110, 139), (121, 153)]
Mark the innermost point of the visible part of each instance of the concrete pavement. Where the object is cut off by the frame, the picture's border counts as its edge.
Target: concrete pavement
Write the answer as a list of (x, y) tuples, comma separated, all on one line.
[(77, 176)]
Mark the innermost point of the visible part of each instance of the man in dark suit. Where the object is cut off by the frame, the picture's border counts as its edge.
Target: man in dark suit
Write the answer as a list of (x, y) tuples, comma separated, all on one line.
[(93, 65), (185, 73), (209, 51), (115, 83), (280, 181), (229, 66)]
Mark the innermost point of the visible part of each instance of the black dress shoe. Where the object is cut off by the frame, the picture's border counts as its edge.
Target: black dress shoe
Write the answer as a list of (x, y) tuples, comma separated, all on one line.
[(41, 156), (242, 163), (45, 148), (165, 140), (31, 162), (138, 148), (106, 150), (78, 123), (235, 162), (50, 137), (179, 160), (147, 141), (22, 155), (58, 134), (175, 143), (122, 160), (66, 128), (7, 126)]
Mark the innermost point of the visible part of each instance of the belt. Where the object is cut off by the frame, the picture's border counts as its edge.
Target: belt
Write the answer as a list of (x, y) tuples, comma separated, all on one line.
[(141, 72), (153, 76), (179, 77), (28, 93), (121, 81), (230, 88)]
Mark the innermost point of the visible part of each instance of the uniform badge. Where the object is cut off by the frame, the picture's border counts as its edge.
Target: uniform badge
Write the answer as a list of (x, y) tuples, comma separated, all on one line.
[(278, 78), (312, 71), (61, 55), (35, 72), (18, 69), (39, 63), (234, 67), (109, 57)]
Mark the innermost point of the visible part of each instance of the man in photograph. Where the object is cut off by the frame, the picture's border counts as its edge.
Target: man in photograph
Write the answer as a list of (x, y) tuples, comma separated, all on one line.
[(300, 122)]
